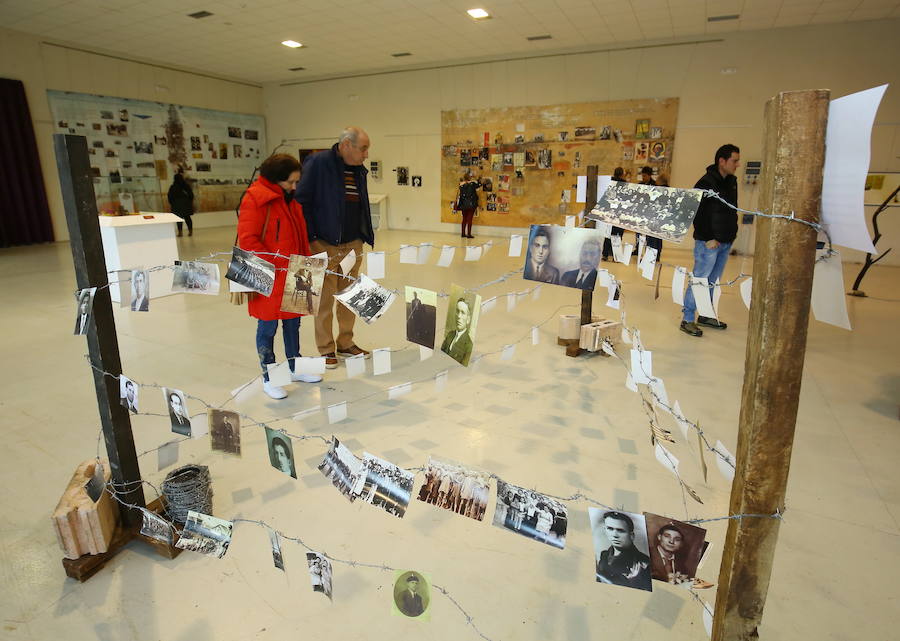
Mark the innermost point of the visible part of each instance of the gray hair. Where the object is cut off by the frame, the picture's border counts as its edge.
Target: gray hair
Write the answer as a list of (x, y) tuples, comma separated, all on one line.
[(351, 134)]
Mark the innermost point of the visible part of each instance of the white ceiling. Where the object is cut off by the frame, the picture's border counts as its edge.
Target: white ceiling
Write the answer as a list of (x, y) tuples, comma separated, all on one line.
[(242, 39)]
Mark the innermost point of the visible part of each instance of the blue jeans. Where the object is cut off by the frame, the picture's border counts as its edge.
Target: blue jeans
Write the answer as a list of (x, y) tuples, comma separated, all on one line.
[(708, 264), (265, 342)]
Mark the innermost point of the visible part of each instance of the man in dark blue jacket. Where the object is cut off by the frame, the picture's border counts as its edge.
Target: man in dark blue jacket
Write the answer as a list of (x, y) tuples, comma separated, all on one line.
[(335, 203), (715, 228)]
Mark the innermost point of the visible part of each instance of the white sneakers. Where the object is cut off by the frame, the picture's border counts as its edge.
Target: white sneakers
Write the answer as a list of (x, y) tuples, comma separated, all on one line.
[(305, 378), (274, 391)]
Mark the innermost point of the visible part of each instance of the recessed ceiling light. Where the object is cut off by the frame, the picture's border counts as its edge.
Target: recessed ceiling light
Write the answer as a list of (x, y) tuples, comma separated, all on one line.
[(293, 44), (733, 16), (402, 54), (478, 14), (297, 69), (199, 14), (546, 36)]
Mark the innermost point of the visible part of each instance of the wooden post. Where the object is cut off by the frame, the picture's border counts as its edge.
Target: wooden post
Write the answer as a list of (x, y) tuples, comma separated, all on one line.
[(587, 295), (90, 271), (794, 154)]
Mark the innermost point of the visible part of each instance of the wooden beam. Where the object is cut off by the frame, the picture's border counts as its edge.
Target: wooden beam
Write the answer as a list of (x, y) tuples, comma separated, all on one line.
[(587, 295), (794, 155), (80, 206)]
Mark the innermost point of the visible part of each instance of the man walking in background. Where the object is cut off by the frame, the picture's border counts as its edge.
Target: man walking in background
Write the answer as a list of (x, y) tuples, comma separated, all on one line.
[(335, 200), (715, 228)]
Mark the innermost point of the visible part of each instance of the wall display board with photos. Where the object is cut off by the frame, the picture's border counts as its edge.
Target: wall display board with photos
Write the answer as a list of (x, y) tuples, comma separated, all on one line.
[(136, 146), (529, 157)]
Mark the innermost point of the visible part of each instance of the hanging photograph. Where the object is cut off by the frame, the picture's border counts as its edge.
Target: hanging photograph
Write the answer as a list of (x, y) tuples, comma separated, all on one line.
[(532, 514), (277, 556), (503, 182), (641, 128), (585, 133), (675, 549), (544, 159), (84, 307), (605, 133), (663, 212), (655, 132), (178, 413), (281, 452), (463, 310), (456, 488), (319, 573), (658, 151), (341, 467), (195, 278), (620, 548), (641, 151), (251, 271), (567, 256), (303, 284), (402, 175), (156, 527), (128, 394), (366, 298), (384, 485), (205, 534), (224, 431), (421, 316), (412, 594)]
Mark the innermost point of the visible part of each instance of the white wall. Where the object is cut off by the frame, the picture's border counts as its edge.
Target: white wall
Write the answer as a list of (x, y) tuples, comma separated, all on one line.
[(42, 66), (402, 111)]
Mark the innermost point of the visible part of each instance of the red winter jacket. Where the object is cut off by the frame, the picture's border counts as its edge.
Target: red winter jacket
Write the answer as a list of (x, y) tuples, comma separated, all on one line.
[(285, 234)]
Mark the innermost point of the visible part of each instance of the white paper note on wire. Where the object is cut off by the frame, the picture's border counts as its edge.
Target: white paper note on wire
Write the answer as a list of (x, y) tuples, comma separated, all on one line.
[(613, 298), (381, 361), (473, 253), (309, 365), (627, 248), (515, 245), (700, 289), (399, 390), (667, 459), (848, 142), (629, 383), (424, 253), (829, 302), (678, 285), (348, 262), (535, 336), (570, 221), (356, 365), (375, 265), (168, 455), (605, 229), (409, 254), (509, 351), (641, 365), (511, 299), (337, 412), (747, 289), (648, 263), (683, 423), (660, 397), (603, 183), (425, 353), (446, 256), (279, 373), (440, 381), (581, 189), (716, 296), (488, 304), (726, 465)]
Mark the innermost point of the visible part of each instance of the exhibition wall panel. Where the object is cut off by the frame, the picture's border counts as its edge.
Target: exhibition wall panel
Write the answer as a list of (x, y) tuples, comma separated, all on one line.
[(41, 65), (722, 84)]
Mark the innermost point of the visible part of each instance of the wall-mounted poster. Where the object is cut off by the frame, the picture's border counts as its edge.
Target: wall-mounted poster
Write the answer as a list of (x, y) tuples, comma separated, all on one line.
[(642, 128), (151, 140), (402, 175)]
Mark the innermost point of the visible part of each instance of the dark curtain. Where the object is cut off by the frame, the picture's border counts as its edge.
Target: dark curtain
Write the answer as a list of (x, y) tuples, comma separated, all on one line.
[(24, 213)]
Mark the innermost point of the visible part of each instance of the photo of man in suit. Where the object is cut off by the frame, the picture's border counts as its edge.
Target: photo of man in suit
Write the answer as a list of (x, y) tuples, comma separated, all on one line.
[(85, 299), (622, 563), (178, 415), (411, 594), (421, 314), (589, 259), (128, 394), (140, 296), (460, 327), (537, 259)]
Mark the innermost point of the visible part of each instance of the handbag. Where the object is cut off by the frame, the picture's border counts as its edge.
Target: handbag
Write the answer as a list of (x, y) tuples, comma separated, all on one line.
[(241, 298)]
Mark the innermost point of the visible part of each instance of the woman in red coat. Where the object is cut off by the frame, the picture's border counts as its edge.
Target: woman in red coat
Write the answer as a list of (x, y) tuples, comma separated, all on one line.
[(271, 222)]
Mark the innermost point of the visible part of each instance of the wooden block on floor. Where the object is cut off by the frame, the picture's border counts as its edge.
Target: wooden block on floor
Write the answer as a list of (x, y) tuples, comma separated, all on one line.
[(88, 565), (83, 526)]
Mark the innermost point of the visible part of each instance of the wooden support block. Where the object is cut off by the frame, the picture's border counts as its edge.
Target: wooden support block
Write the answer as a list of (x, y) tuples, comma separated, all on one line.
[(594, 334), (88, 565), (83, 526)]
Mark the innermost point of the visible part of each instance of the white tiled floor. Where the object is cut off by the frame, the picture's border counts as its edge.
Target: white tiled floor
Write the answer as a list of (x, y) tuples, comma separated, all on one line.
[(541, 420)]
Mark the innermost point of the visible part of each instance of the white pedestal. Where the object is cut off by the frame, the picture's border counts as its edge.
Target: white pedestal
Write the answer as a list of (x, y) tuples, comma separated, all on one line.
[(143, 240)]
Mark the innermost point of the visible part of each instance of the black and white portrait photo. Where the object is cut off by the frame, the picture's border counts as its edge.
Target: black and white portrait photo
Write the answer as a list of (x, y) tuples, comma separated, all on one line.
[(196, 278), (675, 549), (384, 485), (663, 212), (342, 467), (319, 573), (532, 514), (545, 158), (402, 175), (303, 285), (84, 307), (412, 594), (281, 452), (366, 298), (421, 316), (463, 311), (205, 534), (140, 290), (156, 527), (454, 487), (567, 256), (251, 271), (416, 181), (277, 556), (224, 431), (178, 413), (128, 394), (620, 548)]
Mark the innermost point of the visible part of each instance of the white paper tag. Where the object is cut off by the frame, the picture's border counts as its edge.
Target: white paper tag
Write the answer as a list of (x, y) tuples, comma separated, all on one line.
[(627, 248), (829, 302), (337, 412), (581, 189), (446, 256), (648, 263), (535, 336), (425, 353), (700, 289), (473, 253), (626, 335), (408, 254), (678, 278), (486, 247), (629, 383), (570, 221), (279, 373), (168, 455), (348, 262), (440, 381), (309, 365), (666, 459), (515, 245), (488, 305), (605, 229), (356, 365), (536, 293), (399, 390), (375, 265), (508, 352), (511, 301), (641, 366), (603, 278), (381, 361), (726, 464), (424, 253), (681, 420), (660, 397), (613, 299), (747, 289), (717, 294), (707, 617)]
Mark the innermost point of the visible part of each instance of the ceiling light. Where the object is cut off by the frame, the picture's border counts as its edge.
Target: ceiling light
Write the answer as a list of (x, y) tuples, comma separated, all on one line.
[(546, 36), (293, 44), (402, 54), (733, 16), (297, 69), (199, 14), (478, 14)]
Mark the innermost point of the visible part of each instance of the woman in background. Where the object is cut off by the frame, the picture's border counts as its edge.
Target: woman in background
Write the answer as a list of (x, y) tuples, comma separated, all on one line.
[(181, 200), (467, 202)]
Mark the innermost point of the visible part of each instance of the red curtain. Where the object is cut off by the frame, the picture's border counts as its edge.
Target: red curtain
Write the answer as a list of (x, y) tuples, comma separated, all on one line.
[(24, 213)]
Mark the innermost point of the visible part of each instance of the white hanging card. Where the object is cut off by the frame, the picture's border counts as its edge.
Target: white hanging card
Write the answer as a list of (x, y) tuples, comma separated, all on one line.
[(309, 365), (381, 361), (515, 245), (627, 249), (717, 294), (168, 455), (629, 383), (605, 229), (678, 277), (536, 293), (535, 335), (446, 256), (408, 254), (724, 461), (425, 353), (348, 262), (683, 423), (641, 366), (667, 459), (337, 412), (279, 373), (648, 263), (440, 381), (829, 302), (747, 289), (473, 253), (580, 189), (424, 253), (375, 265), (399, 390), (356, 365), (700, 289), (511, 301), (508, 352), (613, 299), (570, 221)]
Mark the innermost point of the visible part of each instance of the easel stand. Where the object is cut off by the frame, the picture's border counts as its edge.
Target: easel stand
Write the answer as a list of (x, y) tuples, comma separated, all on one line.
[(80, 205), (793, 158)]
